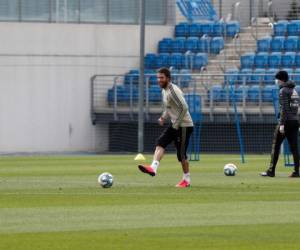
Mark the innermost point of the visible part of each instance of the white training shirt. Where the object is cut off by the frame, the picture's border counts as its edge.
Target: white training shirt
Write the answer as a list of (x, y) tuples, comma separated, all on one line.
[(175, 107)]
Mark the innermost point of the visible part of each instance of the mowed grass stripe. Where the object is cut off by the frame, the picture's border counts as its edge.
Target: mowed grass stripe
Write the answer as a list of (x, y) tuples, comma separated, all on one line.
[(241, 237), (145, 216)]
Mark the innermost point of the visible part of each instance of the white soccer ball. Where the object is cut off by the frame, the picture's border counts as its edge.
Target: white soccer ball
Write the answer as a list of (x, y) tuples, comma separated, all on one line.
[(230, 169), (105, 180)]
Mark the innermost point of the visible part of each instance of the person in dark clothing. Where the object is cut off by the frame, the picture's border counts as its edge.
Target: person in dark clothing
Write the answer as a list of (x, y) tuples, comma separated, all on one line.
[(288, 123)]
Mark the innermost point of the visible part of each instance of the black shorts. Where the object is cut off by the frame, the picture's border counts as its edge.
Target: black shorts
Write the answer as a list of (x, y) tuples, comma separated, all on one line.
[(180, 138)]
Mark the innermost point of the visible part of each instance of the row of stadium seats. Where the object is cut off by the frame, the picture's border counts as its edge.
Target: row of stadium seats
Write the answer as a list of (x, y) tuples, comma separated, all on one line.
[(257, 76), (284, 27), (125, 94), (181, 77), (188, 51), (251, 94), (193, 44), (176, 60), (278, 44), (213, 29), (270, 60), (128, 92)]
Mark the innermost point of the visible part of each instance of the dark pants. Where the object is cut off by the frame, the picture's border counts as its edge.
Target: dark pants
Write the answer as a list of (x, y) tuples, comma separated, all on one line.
[(180, 138), (291, 133)]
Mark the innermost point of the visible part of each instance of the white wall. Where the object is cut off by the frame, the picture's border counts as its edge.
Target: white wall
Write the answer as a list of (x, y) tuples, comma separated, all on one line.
[(45, 72)]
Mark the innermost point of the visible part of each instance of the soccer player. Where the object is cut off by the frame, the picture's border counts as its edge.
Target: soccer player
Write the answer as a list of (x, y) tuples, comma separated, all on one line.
[(288, 123), (179, 131)]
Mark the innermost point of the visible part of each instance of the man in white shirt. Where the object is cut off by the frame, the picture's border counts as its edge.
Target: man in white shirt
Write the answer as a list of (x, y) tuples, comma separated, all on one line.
[(179, 131)]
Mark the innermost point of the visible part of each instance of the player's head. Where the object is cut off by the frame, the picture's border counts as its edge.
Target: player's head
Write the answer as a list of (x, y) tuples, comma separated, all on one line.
[(163, 77), (282, 76)]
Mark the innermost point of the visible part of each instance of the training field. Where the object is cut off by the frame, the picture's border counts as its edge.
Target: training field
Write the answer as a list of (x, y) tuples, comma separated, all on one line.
[(55, 203)]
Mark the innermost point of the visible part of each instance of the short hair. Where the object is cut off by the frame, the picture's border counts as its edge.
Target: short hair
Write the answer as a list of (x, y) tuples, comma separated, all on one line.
[(165, 71), (282, 76)]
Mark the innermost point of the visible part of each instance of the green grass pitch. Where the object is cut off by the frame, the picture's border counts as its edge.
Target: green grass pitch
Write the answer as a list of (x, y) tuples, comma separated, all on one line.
[(54, 203)]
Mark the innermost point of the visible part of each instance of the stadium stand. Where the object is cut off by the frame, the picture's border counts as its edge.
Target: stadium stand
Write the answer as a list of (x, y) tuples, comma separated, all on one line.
[(257, 69), (189, 51)]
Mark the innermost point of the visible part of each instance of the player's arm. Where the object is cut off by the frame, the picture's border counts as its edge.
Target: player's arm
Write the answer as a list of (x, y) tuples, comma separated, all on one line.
[(284, 101), (163, 118), (164, 115), (178, 98)]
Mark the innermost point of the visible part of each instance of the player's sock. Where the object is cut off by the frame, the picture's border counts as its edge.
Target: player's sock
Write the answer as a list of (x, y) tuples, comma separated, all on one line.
[(187, 177), (155, 165)]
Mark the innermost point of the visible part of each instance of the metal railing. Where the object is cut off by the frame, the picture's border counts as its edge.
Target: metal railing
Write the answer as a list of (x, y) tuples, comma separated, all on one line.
[(232, 90)]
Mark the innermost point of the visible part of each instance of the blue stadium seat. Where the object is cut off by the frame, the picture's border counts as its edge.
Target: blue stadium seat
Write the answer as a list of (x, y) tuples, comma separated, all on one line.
[(110, 96), (293, 28), (123, 95), (239, 93), (247, 60), (150, 61), (195, 30), (207, 28), (216, 45), (267, 93), (296, 76), (176, 60), (162, 60), (280, 28), (264, 44), (188, 60), (257, 76), (270, 76), (132, 77), (298, 89), (185, 79), (232, 28), (261, 60), (253, 93), (174, 73), (191, 44), (224, 95), (245, 75), (231, 76), (165, 45), (218, 29), (216, 93), (277, 44), (288, 59), (194, 102), (291, 43), (178, 45), (182, 30), (132, 94), (275, 60), (200, 60), (150, 75), (204, 44), (297, 60), (154, 94)]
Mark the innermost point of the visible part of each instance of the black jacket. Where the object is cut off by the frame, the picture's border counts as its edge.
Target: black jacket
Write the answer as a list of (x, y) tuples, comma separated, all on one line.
[(289, 102)]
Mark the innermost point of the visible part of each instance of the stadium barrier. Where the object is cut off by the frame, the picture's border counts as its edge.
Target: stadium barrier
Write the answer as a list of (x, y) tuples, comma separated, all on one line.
[(252, 94)]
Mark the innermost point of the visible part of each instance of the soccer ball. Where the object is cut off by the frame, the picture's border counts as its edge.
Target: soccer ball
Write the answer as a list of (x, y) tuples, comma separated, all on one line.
[(230, 169), (105, 180)]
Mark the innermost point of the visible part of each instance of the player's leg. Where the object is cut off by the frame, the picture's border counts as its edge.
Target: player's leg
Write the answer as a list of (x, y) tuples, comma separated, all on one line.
[(182, 142), (276, 144), (158, 155), (163, 141), (292, 135)]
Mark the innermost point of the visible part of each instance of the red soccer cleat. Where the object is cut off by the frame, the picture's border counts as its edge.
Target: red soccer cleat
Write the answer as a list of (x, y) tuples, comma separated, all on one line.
[(183, 184), (147, 170)]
